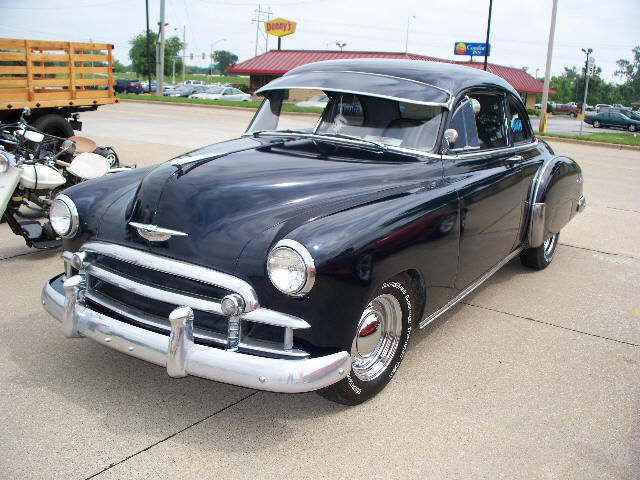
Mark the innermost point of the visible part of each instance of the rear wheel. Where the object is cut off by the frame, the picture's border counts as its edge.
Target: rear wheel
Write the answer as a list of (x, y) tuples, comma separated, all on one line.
[(379, 343), (596, 124), (632, 127), (542, 256), (53, 124)]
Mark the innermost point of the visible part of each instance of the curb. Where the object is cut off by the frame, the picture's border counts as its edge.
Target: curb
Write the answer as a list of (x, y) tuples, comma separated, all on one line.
[(613, 146)]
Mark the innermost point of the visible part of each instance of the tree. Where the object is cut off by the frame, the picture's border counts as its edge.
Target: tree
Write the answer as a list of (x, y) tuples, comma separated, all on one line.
[(224, 60), (630, 72), (138, 53), (118, 67)]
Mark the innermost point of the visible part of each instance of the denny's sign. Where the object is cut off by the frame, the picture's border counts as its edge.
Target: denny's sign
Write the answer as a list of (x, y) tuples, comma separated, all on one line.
[(279, 27)]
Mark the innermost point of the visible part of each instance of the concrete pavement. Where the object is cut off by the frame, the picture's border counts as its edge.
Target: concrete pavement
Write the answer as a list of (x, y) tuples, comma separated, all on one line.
[(535, 375)]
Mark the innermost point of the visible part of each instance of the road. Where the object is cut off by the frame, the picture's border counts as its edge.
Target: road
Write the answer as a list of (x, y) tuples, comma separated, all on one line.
[(535, 375), (562, 124)]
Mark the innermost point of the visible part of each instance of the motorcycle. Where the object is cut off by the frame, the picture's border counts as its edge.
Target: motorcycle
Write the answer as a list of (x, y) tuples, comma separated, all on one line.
[(35, 167)]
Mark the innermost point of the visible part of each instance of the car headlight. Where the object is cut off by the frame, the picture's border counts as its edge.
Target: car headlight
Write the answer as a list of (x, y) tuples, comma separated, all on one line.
[(63, 216), (291, 268)]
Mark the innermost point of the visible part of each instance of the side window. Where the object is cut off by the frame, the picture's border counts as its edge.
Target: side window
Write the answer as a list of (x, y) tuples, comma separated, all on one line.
[(517, 124), (490, 121), (464, 122)]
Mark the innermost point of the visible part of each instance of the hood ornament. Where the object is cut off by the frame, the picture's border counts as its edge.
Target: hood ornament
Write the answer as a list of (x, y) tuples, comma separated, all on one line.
[(153, 233)]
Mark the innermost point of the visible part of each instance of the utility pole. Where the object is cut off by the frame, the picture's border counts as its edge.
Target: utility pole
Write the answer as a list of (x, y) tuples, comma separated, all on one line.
[(160, 79), (547, 74), (148, 50), (587, 74), (486, 44), (184, 49), (258, 20)]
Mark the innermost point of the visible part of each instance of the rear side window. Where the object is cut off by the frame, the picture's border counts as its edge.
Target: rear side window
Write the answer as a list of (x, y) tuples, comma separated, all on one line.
[(518, 126), (490, 121)]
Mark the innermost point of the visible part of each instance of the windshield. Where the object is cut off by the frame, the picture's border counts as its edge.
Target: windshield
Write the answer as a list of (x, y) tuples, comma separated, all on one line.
[(214, 90), (390, 123)]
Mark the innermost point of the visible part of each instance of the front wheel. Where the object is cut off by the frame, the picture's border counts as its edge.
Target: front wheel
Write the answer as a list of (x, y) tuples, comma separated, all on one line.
[(572, 115), (379, 343), (542, 256)]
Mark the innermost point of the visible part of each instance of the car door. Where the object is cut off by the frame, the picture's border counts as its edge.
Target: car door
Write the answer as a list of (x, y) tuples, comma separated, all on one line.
[(488, 177)]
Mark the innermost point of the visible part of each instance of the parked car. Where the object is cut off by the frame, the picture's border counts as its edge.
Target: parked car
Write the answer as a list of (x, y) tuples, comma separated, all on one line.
[(613, 119), (317, 101), (125, 85), (185, 90), (600, 106), (230, 94), (294, 260), (570, 109), (193, 83), (209, 93)]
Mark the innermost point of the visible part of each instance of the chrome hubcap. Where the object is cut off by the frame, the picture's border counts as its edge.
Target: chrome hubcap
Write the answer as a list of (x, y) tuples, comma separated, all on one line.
[(377, 337), (549, 246)]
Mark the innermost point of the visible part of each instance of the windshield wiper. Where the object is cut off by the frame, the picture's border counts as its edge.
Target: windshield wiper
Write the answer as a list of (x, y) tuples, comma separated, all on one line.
[(379, 146), (257, 133)]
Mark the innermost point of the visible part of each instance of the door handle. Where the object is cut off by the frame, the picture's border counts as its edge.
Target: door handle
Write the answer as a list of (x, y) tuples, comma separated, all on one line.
[(511, 161)]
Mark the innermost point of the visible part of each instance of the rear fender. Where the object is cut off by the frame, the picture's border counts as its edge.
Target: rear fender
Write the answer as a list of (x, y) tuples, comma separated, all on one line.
[(555, 196)]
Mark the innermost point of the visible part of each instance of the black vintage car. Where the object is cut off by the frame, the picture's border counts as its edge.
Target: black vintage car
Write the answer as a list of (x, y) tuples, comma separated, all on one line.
[(300, 256)]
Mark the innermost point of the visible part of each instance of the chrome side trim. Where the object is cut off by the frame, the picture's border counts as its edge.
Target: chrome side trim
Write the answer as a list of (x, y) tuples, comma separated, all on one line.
[(470, 288), (476, 155), (176, 267), (535, 237), (582, 204), (272, 374)]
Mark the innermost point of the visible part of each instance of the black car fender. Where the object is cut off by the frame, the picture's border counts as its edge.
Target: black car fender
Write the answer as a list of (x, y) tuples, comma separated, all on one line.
[(555, 196)]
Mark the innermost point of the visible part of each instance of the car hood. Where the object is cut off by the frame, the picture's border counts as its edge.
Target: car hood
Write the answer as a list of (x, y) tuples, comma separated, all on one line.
[(236, 190)]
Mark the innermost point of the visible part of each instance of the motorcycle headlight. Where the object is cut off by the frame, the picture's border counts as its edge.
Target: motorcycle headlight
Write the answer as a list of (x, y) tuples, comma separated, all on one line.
[(291, 268), (63, 216), (4, 163)]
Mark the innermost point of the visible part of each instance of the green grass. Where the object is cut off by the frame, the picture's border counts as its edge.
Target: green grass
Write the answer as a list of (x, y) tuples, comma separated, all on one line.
[(617, 138), (222, 103)]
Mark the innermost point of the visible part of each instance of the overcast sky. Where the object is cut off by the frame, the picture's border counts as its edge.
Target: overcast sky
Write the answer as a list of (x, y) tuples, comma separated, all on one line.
[(519, 28)]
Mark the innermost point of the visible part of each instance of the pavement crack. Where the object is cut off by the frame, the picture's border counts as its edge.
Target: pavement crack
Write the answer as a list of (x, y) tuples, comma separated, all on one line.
[(551, 324), (31, 252), (149, 447), (599, 251)]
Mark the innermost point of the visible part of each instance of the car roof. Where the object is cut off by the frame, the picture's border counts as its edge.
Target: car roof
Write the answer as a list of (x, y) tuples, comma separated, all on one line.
[(399, 74)]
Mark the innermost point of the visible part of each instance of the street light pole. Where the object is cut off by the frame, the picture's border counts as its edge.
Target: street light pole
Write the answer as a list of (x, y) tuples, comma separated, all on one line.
[(586, 85), (486, 44), (406, 43), (547, 73), (341, 45)]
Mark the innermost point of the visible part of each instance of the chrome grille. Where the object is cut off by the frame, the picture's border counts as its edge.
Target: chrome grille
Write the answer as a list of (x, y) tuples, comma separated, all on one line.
[(142, 288)]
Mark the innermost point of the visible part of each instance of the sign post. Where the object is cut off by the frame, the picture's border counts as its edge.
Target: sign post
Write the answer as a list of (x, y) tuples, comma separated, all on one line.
[(591, 62)]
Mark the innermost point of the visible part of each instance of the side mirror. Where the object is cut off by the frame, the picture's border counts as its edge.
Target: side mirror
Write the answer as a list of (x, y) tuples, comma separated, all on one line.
[(450, 136)]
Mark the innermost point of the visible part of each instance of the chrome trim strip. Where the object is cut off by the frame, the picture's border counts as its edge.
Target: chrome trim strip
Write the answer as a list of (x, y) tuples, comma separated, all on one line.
[(582, 204), (277, 375), (470, 288), (475, 155), (178, 268), (358, 92), (535, 238)]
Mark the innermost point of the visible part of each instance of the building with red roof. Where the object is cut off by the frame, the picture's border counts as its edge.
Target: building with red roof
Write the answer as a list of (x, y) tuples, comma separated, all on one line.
[(275, 63)]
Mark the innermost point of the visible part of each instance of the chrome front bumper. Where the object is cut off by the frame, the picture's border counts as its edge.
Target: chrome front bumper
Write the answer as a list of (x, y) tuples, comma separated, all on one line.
[(181, 356)]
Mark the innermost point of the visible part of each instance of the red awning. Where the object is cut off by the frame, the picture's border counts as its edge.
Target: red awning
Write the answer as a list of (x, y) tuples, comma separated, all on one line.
[(279, 62)]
